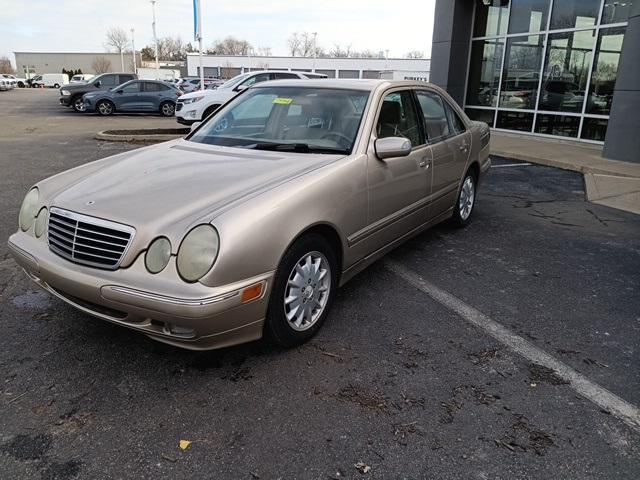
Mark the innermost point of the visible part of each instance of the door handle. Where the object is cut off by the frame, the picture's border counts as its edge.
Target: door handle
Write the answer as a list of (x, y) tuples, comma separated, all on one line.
[(464, 147), (424, 163)]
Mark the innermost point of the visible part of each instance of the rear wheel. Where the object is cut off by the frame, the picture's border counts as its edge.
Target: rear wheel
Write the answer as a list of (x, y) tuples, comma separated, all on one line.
[(466, 200), (56, 85), (21, 84), (78, 104), (303, 291), (167, 109), (105, 107)]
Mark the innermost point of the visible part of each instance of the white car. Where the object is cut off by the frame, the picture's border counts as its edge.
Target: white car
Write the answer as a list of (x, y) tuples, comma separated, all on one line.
[(84, 77), (4, 84), (15, 81), (196, 106)]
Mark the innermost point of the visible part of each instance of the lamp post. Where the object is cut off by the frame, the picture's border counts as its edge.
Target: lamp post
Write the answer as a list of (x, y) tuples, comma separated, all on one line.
[(133, 49), (315, 51), (155, 38)]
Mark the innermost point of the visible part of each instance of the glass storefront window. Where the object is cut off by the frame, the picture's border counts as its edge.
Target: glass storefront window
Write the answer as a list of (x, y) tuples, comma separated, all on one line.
[(522, 121), (480, 115), (574, 13), (616, 11), (491, 20), (605, 70), (559, 125), (566, 71), (521, 72), (594, 129), (528, 16), (484, 72)]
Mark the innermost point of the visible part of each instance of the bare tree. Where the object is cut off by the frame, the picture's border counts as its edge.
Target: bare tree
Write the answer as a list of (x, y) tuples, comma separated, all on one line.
[(293, 43), (117, 38), (264, 51), (302, 44), (230, 46), (5, 65), (101, 65), (415, 54), (339, 52)]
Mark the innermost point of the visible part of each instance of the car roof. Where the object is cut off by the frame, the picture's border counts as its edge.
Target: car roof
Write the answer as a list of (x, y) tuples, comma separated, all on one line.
[(352, 84)]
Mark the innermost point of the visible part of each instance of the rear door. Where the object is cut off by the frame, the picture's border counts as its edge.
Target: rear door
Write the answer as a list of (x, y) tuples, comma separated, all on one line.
[(448, 146)]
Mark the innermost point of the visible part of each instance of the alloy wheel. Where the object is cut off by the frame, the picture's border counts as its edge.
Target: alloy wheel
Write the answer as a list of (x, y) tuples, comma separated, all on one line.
[(307, 291), (467, 197)]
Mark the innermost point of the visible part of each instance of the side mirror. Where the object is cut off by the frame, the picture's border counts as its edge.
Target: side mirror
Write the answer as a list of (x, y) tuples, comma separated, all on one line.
[(194, 125), (120, 91), (98, 84), (241, 88), (392, 147)]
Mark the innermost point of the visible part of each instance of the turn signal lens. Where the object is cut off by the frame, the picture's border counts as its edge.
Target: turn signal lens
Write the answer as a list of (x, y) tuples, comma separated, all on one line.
[(252, 292)]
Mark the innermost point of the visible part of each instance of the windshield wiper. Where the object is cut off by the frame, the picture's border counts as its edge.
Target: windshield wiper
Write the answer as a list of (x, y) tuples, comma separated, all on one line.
[(295, 147)]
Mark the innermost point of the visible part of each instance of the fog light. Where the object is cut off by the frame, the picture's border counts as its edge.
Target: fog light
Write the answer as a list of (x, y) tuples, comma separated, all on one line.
[(180, 331)]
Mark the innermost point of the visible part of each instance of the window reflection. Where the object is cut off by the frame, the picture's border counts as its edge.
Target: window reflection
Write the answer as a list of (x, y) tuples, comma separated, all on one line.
[(594, 129), (616, 11), (528, 16), (566, 71), (560, 125), (605, 70), (515, 121), (521, 72), (574, 13), (484, 72), (491, 20), (480, 115)]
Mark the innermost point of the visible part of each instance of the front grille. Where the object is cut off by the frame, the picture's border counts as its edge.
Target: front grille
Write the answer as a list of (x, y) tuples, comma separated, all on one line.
[(178, 106), (88, 240)]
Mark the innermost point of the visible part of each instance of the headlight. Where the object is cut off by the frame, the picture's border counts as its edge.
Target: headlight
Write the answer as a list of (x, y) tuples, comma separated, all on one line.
[(158, 255), (65, 92), (41, 222), (29, 209), (198, 252), (186, 101)]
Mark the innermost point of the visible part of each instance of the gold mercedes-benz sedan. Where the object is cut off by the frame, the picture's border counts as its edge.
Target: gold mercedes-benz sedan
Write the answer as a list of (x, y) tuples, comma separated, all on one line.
[(249, 225)]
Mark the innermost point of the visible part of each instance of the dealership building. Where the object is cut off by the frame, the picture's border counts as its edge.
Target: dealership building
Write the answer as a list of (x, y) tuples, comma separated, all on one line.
[(228, 66), (553, 68)]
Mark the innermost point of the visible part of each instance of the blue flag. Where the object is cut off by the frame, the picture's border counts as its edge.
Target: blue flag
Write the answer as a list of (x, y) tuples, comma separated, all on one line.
[(197, 31)]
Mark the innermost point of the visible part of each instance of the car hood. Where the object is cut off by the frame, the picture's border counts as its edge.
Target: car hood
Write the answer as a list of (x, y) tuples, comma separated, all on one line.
[(209, 94), (175, 184)]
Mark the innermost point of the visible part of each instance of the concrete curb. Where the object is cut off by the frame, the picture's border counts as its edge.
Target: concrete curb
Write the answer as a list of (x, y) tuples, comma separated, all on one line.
[(133, 138)]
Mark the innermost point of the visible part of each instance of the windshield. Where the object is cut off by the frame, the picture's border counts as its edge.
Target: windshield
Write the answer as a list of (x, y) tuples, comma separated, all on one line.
[(234, 81), (296, 119)]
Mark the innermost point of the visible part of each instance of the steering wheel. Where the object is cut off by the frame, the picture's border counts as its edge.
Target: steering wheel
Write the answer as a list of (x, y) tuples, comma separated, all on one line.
[(342, 140)]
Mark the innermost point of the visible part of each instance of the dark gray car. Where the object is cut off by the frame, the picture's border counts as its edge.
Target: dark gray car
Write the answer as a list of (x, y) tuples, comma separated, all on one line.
[(71, 94), (134, 96)]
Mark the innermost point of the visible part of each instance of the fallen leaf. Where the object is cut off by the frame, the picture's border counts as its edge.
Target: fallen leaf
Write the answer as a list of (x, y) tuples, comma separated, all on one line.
[(363, 467), (184, 444)]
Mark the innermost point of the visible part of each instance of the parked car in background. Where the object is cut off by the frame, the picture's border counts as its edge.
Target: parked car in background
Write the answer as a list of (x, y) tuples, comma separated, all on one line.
[(134, 96), (192, 84), (250, 224), (51, 80), (5, 85), (18, 82), (83, 77), (196, 106), (31, 82), (71, 95)]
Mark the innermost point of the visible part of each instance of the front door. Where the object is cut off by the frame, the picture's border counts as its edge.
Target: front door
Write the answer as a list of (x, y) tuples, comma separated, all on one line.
[(128, 97), (397, 187)]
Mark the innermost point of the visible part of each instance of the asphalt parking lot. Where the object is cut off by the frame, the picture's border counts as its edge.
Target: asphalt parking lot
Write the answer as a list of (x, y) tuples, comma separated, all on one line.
[(400, 379)]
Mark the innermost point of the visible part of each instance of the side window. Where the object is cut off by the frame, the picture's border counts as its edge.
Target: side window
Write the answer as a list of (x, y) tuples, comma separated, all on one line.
[(398, 118), (282, 75), (261, 77), (108, 81), (154, 87), (456, 124), (125, 78), (132, 87), (435, 117)]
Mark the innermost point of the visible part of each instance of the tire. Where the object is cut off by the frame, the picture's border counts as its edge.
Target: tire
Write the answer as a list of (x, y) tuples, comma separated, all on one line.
[(209, 111), (466, 201), (21, 84), (105, 108), (295, 314), (77, 104), (56, 85), (167, 109)]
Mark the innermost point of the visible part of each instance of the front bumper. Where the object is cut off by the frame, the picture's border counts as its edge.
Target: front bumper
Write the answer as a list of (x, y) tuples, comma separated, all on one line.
[(187, 114), (162, 306), (65, 100)]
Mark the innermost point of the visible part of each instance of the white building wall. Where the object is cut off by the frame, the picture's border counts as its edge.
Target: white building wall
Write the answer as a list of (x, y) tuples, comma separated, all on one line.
[(347, 65)]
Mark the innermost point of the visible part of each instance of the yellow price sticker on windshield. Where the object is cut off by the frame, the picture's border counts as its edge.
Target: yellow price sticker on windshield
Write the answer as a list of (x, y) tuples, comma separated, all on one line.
[(283, 101)]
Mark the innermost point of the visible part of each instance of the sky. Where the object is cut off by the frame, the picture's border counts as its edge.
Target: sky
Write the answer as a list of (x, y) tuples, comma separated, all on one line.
[(80, 25)]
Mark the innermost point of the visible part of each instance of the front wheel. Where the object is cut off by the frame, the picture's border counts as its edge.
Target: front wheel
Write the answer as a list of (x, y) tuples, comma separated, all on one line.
[(78, 104), (56, 85), (466, 201), (105, 107), (303, 291), (167, 109), (21, 84)]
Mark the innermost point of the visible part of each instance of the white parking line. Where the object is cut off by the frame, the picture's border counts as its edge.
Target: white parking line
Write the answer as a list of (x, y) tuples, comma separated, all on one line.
[(511, 165), (602, 397)]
